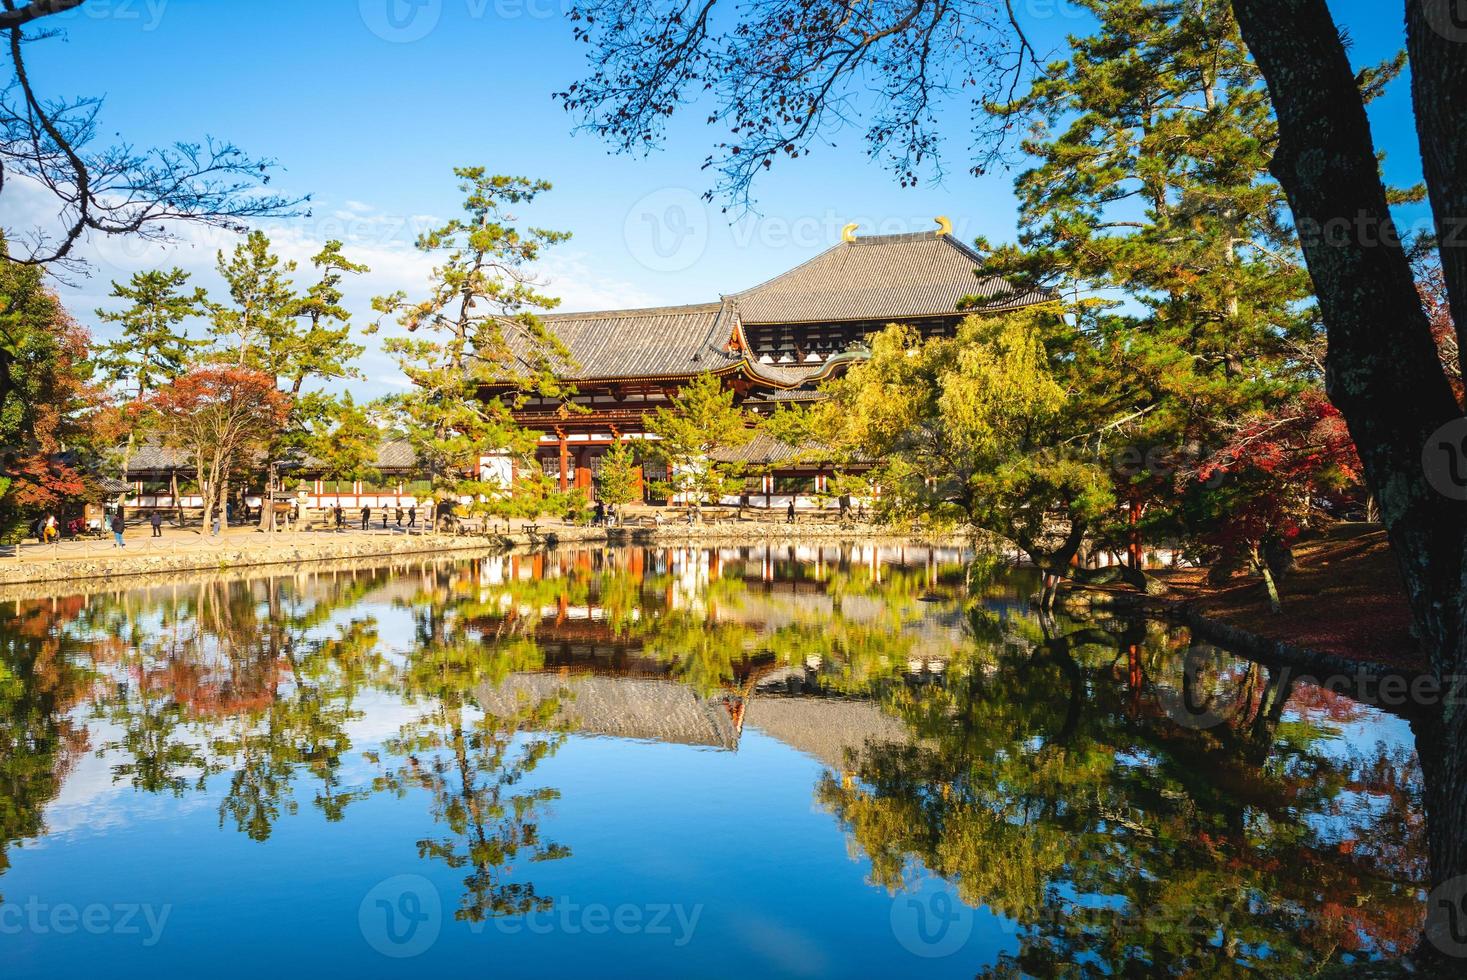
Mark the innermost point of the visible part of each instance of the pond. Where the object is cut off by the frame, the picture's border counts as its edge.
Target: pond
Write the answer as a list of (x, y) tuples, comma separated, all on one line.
[(823, 760)]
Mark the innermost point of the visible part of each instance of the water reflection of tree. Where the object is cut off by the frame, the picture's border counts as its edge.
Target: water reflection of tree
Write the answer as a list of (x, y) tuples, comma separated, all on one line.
[(42, 679), (250, 679), (1043, 775), (1043, 789), (472, 768)]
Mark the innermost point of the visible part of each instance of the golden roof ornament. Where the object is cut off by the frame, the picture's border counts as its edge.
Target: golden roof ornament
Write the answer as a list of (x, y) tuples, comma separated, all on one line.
[(944, 225), (848, 233)]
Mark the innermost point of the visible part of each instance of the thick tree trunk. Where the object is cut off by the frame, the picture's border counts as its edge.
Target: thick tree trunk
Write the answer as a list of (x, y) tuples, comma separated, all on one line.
[(1436, 37), (1383, 372)]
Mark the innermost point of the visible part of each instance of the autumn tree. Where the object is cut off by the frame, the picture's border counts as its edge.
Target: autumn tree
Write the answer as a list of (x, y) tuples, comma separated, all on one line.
[(476, 330), (688, 435), (1266, 482), (44, 395), (219, 417)]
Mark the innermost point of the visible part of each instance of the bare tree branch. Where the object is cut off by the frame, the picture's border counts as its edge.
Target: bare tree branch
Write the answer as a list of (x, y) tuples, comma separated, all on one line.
[(116, 189)]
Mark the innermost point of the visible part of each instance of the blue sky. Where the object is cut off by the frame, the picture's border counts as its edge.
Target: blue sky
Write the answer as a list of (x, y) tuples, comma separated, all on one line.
[(369, 114)]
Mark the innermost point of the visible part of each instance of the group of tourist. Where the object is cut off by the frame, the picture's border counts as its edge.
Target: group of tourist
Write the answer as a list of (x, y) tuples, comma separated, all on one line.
[(339, 516)]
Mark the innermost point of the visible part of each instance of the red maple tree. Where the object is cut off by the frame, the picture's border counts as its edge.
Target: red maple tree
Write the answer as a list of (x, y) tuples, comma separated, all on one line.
[(1273, 476), (219, 417)]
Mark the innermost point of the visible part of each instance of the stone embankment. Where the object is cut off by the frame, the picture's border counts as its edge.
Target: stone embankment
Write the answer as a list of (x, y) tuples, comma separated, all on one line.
[(182, 551)]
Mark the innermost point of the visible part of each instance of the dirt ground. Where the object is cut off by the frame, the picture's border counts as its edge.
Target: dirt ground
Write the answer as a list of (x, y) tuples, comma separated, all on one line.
[(1345, 599)]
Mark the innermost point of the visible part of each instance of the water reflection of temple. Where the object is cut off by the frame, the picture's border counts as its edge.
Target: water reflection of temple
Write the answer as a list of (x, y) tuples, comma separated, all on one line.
[(600, 631), (662, 710), (766, 588)]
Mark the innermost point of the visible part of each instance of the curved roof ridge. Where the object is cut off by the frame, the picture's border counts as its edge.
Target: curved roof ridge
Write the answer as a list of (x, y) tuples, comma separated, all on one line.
[(788, 272), (670, 310)]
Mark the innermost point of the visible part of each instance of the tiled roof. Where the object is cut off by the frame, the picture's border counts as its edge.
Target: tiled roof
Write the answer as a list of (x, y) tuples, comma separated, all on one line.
[(620, 707), (664, 341), (792, 395), (884, 277), (765, 450)]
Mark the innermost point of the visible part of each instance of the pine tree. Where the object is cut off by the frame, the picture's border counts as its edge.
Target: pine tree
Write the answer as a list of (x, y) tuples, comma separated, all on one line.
[(1151, 183), (154, 349), (701, 420), (323, 347), (256, 331), (476, 329)]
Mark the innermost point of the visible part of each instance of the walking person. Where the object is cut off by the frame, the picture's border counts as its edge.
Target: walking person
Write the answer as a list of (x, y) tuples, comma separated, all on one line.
[(118, 526), (399, 515), (340, 516), (156, 520), (412, 516), (366, 517), (789, 515)]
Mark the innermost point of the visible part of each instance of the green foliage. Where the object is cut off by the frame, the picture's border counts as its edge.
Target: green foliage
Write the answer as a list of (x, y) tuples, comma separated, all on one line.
[(968, 429), (154, 349), (258, 330), (1151, 149), (701, 420), (616, 484), (322, 341), (476, 329), (345, 446)]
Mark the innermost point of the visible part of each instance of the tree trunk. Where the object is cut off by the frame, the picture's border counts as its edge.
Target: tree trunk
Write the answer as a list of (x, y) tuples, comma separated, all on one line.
[(1383, 372), (206, 493), (1275, 604)]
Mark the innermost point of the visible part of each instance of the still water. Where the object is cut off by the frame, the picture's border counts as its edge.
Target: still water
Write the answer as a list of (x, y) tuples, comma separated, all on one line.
[(833, 760)]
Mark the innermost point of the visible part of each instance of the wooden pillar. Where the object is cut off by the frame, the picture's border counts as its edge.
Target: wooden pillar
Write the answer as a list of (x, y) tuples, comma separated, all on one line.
[(564, 462)]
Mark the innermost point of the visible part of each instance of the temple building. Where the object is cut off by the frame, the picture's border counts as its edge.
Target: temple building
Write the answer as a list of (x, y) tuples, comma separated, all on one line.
[(770, 343)]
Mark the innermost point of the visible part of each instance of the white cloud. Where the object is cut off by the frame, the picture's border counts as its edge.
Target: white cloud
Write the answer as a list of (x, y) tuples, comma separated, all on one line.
[(384, 242)]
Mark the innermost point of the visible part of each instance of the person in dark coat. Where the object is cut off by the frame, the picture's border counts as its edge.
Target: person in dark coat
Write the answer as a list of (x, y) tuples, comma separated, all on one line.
[(412, 515), (156, 519), (340, 516), (789, 514), (399, 515), (118, 526), (366, 517)]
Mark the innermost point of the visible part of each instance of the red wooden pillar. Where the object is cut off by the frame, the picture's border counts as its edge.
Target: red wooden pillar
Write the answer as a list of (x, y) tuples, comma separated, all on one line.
[(564, 462), (1133, 551)]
